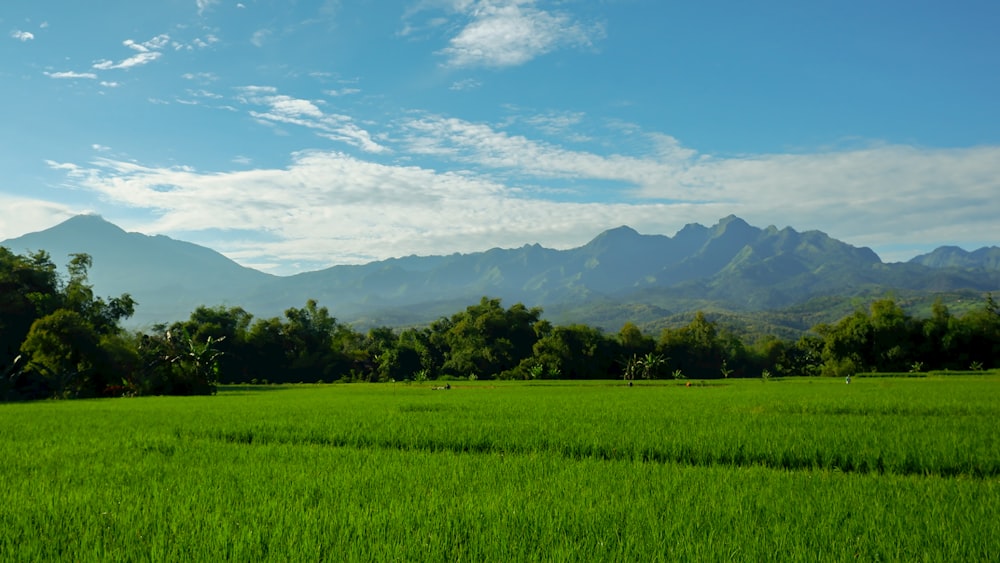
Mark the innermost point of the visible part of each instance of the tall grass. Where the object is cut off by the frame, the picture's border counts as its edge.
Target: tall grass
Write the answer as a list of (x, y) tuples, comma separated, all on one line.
[(877, 470)]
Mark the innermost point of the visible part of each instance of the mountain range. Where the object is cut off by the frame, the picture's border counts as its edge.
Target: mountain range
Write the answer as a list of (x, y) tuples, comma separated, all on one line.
[(619, 275)]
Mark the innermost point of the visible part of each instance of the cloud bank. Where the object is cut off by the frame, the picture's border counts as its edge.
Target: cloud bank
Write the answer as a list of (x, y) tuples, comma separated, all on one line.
[(329, 207)]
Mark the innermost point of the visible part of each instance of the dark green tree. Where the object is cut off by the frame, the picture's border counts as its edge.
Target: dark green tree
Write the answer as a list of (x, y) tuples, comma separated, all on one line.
[(699, 349), (65, 359), (229, 328), (576, 352), (486, 340)]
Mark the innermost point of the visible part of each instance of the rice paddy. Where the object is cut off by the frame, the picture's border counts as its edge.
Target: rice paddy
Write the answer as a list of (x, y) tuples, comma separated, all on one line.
[(799, 470)]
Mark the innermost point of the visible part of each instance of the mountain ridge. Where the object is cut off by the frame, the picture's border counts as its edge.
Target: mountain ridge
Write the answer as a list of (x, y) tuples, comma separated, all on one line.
[(731, 265)]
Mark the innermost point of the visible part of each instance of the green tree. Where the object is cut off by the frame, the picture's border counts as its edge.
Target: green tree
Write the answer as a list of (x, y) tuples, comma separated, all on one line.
[(29, 290), (78, 295), (974, 339), (486, 340), (63, 348), (633, 341), (893, 335), (229, 329), (176, 364), (66, 360), (699, 349), (309, 332), (576, 352)]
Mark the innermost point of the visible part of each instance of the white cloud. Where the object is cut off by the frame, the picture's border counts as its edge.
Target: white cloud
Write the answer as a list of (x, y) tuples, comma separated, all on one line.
[(196, 43), (22, 35), (465, 84), (873, 196), (204, 5), (512, 32), (280, 108), (100, 148), (555, 123), (260, 36), (473, 186), (481, 145), (135, 46), (204, 94), (26, 215), (108, 84), (328, 207), (200, 76), (133, 61), (147, 52), (203, 42), (71, 74), (254, 90), (342, 92)]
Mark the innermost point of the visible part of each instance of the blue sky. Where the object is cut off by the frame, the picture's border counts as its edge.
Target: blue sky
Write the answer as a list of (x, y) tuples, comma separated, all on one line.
[(295, 135)]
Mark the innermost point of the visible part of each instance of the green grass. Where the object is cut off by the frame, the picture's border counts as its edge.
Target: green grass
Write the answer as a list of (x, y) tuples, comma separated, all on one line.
[(811, 470)]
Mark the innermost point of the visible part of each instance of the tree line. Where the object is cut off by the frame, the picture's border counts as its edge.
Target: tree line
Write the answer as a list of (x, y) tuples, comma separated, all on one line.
[(59, 340)]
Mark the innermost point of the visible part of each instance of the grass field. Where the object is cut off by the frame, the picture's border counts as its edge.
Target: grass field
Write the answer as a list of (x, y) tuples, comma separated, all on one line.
[(807, 469)]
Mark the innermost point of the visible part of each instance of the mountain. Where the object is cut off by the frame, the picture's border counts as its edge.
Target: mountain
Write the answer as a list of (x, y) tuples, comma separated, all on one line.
[(986, 258), (618, 276), (167, 277)]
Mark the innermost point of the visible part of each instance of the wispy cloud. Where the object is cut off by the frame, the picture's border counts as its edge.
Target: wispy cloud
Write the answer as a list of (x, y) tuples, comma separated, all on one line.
[(465, 84), (71, 74), (328, 207), (204, 5), (133, 61), (555, 123), (863, 195), (22, 35), (481, 145), (204, 94), (260, 36), (342, 92), (204, 77), (280, 108), (195, 44), (26, 215), (505, 33), (147, 52)]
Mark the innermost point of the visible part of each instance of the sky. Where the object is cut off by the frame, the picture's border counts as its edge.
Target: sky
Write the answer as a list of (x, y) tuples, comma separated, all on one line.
[(296, 135)]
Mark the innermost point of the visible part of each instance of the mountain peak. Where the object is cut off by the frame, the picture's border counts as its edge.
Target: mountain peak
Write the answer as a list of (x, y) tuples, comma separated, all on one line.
[(88, 223), (614, 237), (622, 231), (987, 258), (731, 221)]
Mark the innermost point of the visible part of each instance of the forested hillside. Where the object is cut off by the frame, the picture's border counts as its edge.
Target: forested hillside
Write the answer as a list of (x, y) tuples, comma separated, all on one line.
[(59, 340), (619, 276)]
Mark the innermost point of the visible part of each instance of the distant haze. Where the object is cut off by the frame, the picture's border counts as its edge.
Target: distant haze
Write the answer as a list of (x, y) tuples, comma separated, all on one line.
[(730, 265)]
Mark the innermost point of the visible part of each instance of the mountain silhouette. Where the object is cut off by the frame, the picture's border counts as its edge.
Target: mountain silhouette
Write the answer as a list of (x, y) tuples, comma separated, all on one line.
[(986, 258), (731, 265), (168, 277)]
